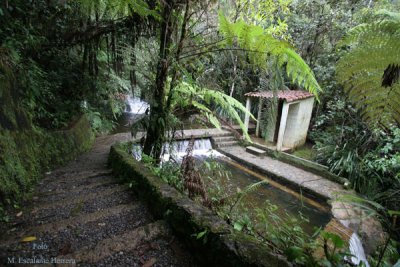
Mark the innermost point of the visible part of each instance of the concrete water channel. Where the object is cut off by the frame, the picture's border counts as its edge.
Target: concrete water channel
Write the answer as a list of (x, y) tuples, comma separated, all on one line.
[(292, 189), (238, 177), (291, 186)]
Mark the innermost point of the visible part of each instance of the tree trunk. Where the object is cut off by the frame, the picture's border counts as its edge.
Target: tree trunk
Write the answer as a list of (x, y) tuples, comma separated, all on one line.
[(156, 132)]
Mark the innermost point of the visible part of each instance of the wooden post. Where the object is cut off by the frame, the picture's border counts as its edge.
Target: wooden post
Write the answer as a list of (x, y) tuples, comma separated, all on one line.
[(247, 116), (282, 127), (259, 117)]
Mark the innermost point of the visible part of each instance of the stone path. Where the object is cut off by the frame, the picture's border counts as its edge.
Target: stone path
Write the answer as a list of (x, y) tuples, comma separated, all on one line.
[(81, 214)]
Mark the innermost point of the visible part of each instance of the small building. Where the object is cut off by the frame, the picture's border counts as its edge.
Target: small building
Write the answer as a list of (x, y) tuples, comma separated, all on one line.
[(290, 126)]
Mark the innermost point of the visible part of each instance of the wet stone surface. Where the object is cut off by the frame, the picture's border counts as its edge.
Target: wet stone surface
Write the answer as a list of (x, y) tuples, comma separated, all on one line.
[(75, 192), (80, 206), (157, 253)]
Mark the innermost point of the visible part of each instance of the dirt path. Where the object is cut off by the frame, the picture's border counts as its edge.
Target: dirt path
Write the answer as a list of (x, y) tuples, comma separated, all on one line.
[(81, 214)]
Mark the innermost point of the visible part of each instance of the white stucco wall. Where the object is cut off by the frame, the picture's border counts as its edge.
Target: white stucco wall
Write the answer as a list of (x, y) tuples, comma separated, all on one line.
[(298, 121)]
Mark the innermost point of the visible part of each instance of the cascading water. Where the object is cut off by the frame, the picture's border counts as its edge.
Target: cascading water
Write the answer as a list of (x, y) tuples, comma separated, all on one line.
[(201, 147), (135, 106), (356, 248), (179, 147), (135, 110)]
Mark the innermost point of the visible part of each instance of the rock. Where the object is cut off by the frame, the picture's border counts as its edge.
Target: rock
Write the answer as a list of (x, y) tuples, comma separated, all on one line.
[(366, 226)]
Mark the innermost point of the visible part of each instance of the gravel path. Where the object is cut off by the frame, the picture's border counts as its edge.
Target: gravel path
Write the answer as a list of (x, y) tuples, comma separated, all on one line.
[(80, 216)]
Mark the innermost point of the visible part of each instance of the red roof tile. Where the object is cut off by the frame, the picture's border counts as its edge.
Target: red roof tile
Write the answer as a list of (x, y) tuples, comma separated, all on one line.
[(288, 95)]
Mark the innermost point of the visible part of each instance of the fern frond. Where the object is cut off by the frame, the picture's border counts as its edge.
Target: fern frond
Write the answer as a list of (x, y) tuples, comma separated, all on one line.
[(262, 46), (116, 8), (234, 199), (203, 99), (372, 49)]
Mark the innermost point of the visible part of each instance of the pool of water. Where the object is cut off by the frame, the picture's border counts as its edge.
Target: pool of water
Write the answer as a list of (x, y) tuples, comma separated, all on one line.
[(287, 200)]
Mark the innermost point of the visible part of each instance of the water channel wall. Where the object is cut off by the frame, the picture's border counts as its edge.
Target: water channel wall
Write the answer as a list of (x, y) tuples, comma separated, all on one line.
[(220, 245), (304, 164)]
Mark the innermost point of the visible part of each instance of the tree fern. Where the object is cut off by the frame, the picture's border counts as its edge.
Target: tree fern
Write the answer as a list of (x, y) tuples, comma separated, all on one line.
[(370, 67), (115, 9), (263, 46)]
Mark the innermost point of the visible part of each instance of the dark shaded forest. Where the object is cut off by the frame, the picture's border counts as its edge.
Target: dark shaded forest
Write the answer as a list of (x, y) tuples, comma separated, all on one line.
[(60, 59)]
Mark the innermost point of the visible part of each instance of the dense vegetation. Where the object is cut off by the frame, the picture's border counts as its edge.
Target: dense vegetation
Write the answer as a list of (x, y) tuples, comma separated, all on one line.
[(61, 59)]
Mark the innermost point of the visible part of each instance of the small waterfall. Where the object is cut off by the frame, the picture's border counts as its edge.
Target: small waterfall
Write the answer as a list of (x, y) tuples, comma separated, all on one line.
[(355, 247), (202, 147), (357, 250), (135, 106)]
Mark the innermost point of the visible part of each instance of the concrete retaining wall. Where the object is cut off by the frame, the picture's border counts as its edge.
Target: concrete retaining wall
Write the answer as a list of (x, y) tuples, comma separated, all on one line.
[(223, 246)]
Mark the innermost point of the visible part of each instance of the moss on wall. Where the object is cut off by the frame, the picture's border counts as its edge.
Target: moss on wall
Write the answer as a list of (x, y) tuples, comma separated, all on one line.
[(25, 150), (219, 246), (26, 154)]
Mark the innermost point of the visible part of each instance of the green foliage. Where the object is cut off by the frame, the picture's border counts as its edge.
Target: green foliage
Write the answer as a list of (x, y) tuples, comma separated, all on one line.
[(370, 160), (263, 46), (115, 8), (369, 69), (333, 248), (203, 235), (27, 154), (270, 14), (207, 101), (168, 171)]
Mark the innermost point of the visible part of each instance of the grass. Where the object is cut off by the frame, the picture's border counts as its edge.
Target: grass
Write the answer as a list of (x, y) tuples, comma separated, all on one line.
[(306, 152)]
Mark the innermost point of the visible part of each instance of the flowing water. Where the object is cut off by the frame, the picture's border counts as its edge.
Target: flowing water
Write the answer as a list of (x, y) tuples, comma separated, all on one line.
[(288, 201), (357, 250), (356, 247), (135, 106), (134, 110)]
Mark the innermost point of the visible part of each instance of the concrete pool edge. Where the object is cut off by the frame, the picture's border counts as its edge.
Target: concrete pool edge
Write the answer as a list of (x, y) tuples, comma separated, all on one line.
[(304, 164), (224, 246), (327, 191)]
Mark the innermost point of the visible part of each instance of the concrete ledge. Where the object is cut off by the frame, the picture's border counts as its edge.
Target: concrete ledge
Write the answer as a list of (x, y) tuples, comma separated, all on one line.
[(255, 151), (280, 179), (223, 246), (304, 164)]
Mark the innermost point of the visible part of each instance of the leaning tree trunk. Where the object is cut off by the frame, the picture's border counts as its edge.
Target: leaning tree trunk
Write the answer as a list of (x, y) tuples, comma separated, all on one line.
[(158, 114)]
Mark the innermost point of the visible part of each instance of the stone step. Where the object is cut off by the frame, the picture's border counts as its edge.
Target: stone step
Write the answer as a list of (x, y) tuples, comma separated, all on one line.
[(83, 219), (92, 202), (226, 144), (80, 231), (255, 151), (80, 212), (222, 134), (63, 189), (148, 254), (120, 244), (224, 138), (57, 177), (90, 232)]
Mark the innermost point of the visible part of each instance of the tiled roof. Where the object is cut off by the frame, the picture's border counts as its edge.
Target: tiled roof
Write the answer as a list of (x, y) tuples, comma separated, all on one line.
[(288, 95)]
